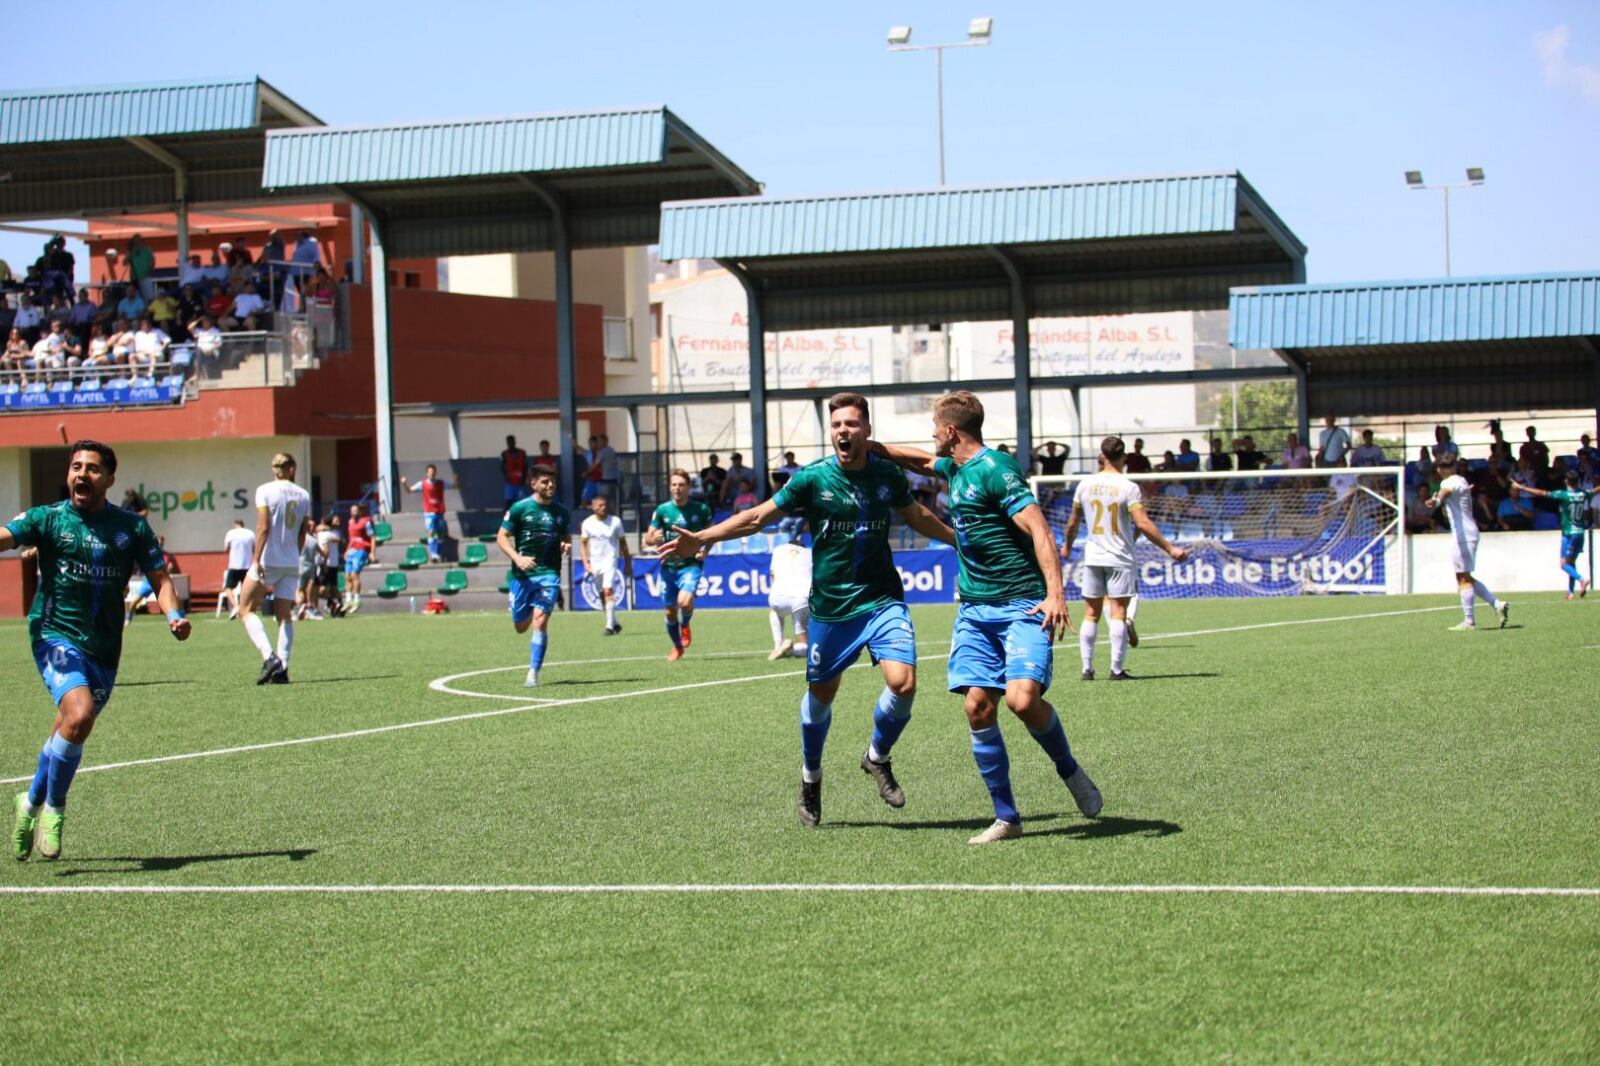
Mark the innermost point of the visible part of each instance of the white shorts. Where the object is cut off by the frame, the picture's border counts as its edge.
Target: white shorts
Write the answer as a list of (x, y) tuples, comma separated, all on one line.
[(1115, 581), (799, 606), (1463, 552), (604, 576), (281, 581)]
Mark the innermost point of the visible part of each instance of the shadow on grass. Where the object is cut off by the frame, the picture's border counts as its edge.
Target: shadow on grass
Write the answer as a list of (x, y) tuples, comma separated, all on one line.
[(135, 864), (1169, 677), (1096, 829), (591, 681), (338, 680), (165, 681)]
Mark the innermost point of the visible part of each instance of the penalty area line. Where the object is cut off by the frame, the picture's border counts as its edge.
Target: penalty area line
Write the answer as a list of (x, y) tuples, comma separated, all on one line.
[(950, 888)]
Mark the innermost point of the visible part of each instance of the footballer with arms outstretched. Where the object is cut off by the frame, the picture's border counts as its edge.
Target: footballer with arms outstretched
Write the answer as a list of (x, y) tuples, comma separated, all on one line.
[(1012, 608), (87, 551), (857, 600), (1115, 512), (1455, 496)]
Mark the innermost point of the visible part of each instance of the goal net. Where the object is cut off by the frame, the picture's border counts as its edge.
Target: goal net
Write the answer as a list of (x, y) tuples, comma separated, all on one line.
[(1256, 533)]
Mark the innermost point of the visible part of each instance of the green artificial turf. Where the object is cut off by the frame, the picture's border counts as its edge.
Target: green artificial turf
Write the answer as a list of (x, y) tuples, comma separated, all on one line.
[(1367, 751)]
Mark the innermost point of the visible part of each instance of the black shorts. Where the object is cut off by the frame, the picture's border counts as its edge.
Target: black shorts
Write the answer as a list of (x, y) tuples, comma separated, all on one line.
[(232, 578), (328, 576)]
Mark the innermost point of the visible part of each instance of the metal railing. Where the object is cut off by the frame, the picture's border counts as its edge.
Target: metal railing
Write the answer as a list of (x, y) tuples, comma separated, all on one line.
[(120, 384)]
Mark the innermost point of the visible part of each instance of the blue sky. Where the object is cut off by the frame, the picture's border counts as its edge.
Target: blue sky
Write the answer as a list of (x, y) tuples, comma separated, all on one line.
[(1322, 108)]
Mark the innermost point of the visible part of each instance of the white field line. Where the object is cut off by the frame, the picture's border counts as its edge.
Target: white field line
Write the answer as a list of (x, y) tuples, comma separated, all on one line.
[(534, 705), (829, 887)]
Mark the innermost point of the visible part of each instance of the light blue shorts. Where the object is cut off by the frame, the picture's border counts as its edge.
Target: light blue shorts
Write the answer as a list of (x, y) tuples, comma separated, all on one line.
[(994, 643), (675, 582), (433, 524), (533, 592), (64, 667), (355, 560), (885, 633), (1571, 546)]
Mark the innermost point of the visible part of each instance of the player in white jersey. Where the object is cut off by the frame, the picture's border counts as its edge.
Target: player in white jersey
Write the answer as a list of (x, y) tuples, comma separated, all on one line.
[(240, 544), (1455, 496), (789, 596), (604, 547), (1115, 512), (281, 508)]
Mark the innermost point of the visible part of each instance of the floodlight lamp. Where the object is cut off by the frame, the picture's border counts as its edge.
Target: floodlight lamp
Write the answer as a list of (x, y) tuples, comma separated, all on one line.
[(1414, 178), (1475, 175), (899, 35), (980, 29)]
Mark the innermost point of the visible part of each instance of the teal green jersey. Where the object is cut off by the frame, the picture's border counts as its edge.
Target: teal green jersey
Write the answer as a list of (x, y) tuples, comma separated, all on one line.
[(85, 561), (852, 566), (1573, 505), (693, 516), (537, 529), (998, 563)]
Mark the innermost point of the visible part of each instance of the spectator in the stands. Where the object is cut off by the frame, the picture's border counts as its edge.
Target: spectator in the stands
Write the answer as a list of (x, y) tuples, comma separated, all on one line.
[(1188, 459), (1168, 463), (60, 309), (113, 271), (1536, 452), (591, 470), (217, 302), (1585, 448), (546, 458), (57, 349), (1500, 458), (513, 470), (141, 267), (1219, 459), (272, 251), (191, 304), (28, 318), (207, 337), (1333, 443), (1138, 462), (1516, 510), (149, 346), (788, 469), (132, 304), (246, 304), (163, 311), (121, 341), (737, 474), (241, 274), (1367, 453), (1488, 490), (17, 354), (83, 313), (319, 287), (1296, 456), (192, 273), (1443, 446), (712, 478), (610, 469), (99, 351), (307, 253), (746, 497), (1052, 458)]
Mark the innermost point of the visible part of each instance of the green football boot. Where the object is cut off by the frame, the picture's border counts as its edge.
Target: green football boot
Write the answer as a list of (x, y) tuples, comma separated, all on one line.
[(22, 838), (50, 823)]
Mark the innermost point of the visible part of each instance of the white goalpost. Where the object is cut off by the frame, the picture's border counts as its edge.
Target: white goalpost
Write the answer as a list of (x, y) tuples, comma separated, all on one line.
[(1259, 533)]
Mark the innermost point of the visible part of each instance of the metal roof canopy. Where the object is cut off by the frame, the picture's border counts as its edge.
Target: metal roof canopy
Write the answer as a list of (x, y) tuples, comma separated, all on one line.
[(976, 254), (110, 150), (1435, 346), (593, 179)]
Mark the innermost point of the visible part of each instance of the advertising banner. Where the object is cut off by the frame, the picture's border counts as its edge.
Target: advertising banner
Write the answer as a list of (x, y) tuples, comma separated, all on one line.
[(1241, 568), (140, 396)]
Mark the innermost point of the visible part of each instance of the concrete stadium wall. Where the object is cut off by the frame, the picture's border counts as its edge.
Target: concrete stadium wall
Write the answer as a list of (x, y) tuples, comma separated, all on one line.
[(1507, 562)]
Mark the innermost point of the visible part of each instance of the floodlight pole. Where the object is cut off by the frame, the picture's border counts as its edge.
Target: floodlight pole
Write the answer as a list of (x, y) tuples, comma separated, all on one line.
[(1445, 188), (938, 73)]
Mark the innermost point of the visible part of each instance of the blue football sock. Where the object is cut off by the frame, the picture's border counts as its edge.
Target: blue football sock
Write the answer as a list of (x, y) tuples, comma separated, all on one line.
[(889, 720), (675, 634), (989, 752), (536, 646), (41, 776), (1053, 739), (1573, 577), (815, 718), (64, 759), (685, 614)]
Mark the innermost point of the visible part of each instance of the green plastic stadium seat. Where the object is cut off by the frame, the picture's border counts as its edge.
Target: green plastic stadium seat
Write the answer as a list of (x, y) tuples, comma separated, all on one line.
[(382, 532), (341, 582), (454, 581), (505, 582), (394, 583), (488, 538), (476, 555), (416, 555)]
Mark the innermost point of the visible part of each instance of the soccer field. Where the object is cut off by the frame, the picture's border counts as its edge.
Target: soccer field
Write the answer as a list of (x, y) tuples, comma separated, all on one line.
[(612, 869)]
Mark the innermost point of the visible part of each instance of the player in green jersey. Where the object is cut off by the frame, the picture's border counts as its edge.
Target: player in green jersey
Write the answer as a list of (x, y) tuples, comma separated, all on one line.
[(857, 600), (535, 532), (87, 551), (1013, 606), (1573, 504), (680, 577)]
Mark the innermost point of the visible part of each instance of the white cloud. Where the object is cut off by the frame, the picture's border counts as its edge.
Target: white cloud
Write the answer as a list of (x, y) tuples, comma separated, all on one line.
[(1550, 46)]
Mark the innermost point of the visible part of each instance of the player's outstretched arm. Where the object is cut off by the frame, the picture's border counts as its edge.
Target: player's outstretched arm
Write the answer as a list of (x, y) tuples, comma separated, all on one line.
[(689, 543), (1519, 489), (914, 459), (167, 597), (1053, 610), (1146, 525), (7, 541), (927, 523)]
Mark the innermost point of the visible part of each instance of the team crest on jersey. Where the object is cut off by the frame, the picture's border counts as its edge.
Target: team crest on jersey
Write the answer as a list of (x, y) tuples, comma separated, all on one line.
[(827, 494), (970, 492), (883, 493), (121, 540)]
